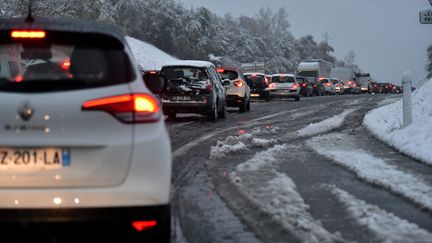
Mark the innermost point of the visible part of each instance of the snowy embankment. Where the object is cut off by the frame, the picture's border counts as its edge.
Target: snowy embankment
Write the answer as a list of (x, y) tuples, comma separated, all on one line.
[(414, 140), (325, 125), (148, 57)]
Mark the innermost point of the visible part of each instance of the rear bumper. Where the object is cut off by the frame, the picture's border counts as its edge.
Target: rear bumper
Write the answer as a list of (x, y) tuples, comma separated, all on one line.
[(82, 225), (186, 107), (234, 100), (284, 93)]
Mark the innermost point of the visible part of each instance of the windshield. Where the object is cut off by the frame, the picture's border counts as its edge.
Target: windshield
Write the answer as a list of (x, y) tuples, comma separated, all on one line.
[(60, 67), (231, 75), (190, 74), (283, 79)]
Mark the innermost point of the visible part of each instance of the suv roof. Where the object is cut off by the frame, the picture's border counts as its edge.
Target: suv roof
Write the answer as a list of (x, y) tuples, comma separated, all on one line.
[(190, 63), (63, 24)]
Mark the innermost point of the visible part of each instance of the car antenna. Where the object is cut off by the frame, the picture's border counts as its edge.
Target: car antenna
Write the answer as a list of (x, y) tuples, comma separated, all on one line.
[(29, 16)]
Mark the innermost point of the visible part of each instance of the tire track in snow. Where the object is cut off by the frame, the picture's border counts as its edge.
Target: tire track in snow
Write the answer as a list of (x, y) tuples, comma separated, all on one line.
[(276, 194), (386, 226), (340, 149)]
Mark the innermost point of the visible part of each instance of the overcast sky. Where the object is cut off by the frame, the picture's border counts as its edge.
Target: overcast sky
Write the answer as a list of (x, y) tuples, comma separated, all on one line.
[(386, 35)]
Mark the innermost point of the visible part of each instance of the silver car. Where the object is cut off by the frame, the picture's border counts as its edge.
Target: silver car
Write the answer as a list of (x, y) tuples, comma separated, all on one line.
[(284, 85)]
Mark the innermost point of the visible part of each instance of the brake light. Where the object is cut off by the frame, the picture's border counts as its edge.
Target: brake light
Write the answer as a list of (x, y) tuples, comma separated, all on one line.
[(238, 83), (143, 225), (304, 84), (19, 78), (28, 34), (327, 84), (220, 70), (66, 65), (209, 87), (271, 86), (153, 72), (128, 108), (294, 86)]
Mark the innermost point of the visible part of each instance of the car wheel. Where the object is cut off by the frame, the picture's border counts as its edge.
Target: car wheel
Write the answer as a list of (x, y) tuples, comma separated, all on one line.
[(248, 105), (213, 116), (297, 98), (222, 114), (243, 106), (172, 116)]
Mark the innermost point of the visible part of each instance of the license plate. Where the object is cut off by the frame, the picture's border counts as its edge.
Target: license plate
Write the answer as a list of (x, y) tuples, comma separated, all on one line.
[(182, 98), (34, 159), (254, 95)]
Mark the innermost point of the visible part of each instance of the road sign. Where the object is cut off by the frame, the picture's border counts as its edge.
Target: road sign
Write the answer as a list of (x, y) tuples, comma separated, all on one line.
[(426, 16)]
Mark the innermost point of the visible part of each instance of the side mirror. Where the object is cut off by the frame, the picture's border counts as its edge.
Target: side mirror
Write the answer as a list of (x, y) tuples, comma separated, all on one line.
[(156, 83), (226, 82)]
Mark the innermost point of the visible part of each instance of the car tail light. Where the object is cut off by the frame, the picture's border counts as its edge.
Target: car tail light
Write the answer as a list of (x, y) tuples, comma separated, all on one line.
[(128, 108), (209, 87), (304, 84), (144, 225), (65, 65), (314, 85), (28, 34), (220, 70), (271, 86), (294, 86), (238, 83), (327, 84)]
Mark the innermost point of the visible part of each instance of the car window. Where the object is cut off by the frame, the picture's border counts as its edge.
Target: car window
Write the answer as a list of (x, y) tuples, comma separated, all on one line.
[(231, 75), (54, 67), (283, 79), (191, 74)]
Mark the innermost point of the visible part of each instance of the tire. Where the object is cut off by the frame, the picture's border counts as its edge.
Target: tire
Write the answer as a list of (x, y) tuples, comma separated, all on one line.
[(172, 116), (222, 114), (248, 105), (243, 106), (297, 98), (213, 115)]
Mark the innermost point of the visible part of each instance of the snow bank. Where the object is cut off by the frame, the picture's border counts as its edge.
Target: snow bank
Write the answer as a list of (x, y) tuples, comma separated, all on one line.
[(148, 57), (414, 140), (341, 149), (326, 125), (386, 226), (262, 159)]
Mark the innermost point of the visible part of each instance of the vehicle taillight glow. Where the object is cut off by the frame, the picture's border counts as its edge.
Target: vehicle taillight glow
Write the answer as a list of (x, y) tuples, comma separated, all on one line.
[(144, 225), (220, 70), (294, 86), (66, 65), (128, 108), (28, 34), (238, 83), (304, 84), (19, 78)]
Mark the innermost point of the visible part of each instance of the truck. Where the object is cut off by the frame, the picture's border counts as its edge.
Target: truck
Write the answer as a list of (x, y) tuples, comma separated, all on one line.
[(364, 80), (316, 68)]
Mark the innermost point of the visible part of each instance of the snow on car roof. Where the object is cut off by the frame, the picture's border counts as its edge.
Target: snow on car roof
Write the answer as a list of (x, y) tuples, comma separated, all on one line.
[(254, 73), (190, 63), (284, 74)]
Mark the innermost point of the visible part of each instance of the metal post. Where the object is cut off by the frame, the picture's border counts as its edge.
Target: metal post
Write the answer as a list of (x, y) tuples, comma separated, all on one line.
[(407, 100)]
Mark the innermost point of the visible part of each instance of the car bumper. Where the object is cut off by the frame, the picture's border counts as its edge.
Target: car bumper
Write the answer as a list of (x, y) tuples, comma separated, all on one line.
[(284, 93), (234, 100), (82, 225), (199, 107)]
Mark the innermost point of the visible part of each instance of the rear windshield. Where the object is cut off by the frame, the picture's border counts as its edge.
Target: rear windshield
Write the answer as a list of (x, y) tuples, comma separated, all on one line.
[(252, 78), (324, 81), (189, 74), (51, 66), (231, 75), (283, 79)]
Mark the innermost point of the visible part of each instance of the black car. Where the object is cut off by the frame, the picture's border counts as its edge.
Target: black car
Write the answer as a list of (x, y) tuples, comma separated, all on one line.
[(258, 84), (193, 87), (306, 86)]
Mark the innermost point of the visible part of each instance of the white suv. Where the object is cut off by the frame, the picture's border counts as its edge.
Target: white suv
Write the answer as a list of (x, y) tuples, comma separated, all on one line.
[(84, 151)]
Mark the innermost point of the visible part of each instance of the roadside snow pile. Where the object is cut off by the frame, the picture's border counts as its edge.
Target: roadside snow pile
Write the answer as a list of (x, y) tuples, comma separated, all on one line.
[(415, 140), (148, 57), (261, 159), (326, 125)]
